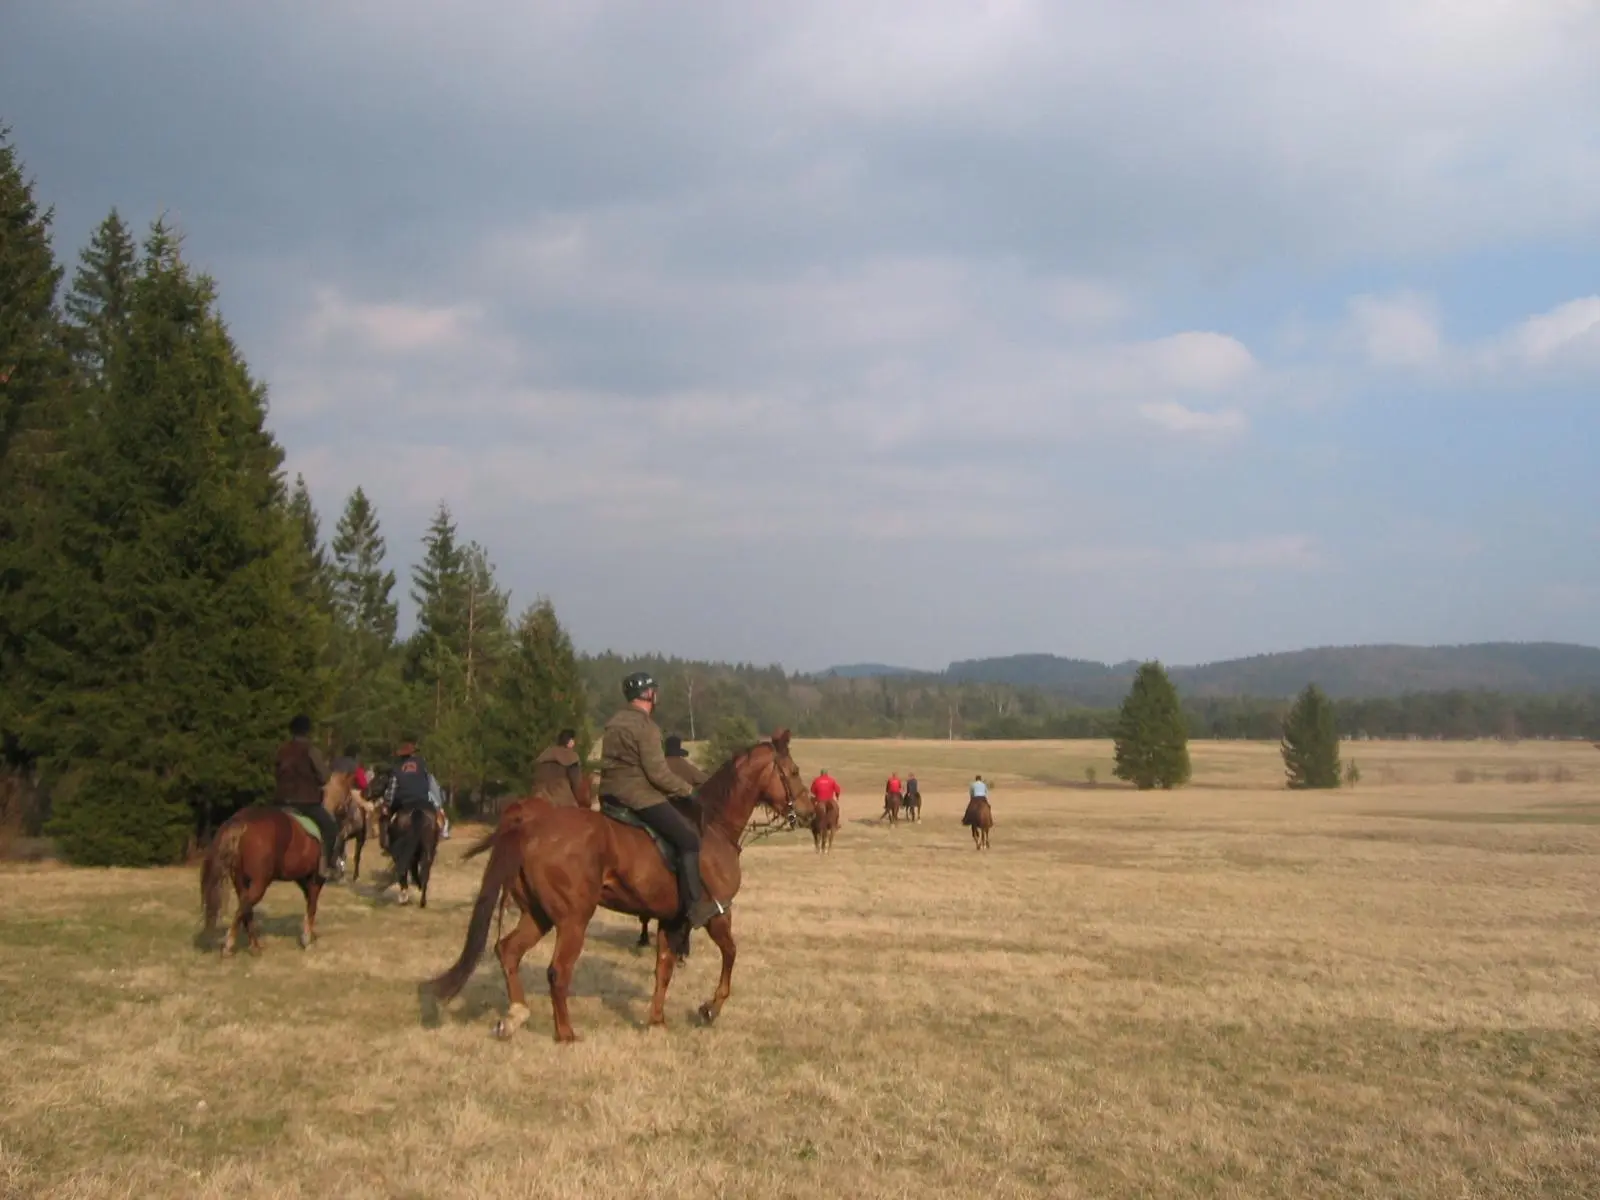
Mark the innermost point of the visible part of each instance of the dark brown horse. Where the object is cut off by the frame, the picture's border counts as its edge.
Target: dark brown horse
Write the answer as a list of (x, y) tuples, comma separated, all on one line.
[(891, 807), (255, 848), (413, 845), (824, 825), (981, 819), (560, 864)]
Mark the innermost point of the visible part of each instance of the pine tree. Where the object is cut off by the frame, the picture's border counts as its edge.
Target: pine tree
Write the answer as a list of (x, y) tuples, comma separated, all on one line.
[(100, 301), (35, 399), (1152, 742), (370, 699), (363, 590), (175, 644), (540, 692), (315, 584), (732, 735), (438, 586), (1310, 744)]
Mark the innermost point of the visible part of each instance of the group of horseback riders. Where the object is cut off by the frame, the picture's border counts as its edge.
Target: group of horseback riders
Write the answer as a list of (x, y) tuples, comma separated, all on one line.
[(301, 776), (639, 772)]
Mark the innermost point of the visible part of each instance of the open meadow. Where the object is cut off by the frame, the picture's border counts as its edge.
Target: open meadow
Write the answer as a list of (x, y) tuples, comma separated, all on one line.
[(1226, 990)]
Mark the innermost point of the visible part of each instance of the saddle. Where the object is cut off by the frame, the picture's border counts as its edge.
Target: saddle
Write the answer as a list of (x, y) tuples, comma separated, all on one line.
[(626, 816)]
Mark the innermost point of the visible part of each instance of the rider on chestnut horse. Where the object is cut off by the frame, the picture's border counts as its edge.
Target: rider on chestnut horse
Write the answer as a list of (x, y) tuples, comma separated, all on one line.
[(557, 772), (635, 774), (300, 780)]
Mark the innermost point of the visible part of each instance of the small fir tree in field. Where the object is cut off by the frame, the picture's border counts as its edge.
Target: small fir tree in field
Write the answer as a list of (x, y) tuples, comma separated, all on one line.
[(1310, 743), (1152, 740), (733, 735)]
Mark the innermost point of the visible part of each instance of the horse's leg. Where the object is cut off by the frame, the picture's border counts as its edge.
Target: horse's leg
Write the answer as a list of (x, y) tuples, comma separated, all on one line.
[(569, 944), (240, 912), (644, 931), (721, 930), (665, 961), (522, 938), (308, 930), (360, 840)]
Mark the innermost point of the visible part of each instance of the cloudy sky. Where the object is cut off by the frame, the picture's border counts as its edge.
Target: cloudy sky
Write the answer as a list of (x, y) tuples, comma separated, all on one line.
[(902, 332)]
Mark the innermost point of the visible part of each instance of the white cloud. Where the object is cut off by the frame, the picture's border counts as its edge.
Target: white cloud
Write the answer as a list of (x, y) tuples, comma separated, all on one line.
[(1291, 551), (1569, 332), (1178, 419), (1401, 330)]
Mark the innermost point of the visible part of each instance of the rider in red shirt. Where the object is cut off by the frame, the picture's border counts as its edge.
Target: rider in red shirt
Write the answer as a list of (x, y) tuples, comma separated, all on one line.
[(825, 788), (892, 788)]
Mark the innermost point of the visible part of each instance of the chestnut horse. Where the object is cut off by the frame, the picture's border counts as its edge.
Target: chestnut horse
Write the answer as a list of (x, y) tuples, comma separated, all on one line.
[(981, 819), (255, 848), (824, 825), (559, 864), (891, 807)]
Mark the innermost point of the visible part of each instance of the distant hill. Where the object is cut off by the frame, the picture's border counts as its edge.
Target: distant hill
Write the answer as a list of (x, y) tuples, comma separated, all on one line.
[(1513, 668), (872, 671)]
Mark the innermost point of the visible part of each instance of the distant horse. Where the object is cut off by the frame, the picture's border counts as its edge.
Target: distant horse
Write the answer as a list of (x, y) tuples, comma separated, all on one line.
[(360, 819), (255, 848), (824, 825), (912, 804), (413, 843), (891, 807), (981, 819), (560, 864)]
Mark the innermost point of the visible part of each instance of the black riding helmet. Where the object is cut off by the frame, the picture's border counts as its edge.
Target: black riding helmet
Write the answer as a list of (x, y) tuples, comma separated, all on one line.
[(638, 684)]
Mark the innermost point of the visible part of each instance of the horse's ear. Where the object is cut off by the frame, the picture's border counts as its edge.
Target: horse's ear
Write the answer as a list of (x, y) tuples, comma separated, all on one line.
[(781, 741)]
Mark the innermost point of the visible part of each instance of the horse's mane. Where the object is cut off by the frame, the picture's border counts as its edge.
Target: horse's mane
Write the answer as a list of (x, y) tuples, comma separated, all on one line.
[(331, 791), (715, 792)]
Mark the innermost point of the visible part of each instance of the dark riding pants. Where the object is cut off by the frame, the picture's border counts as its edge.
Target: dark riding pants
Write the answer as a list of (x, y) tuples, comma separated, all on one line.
[(671, 824)]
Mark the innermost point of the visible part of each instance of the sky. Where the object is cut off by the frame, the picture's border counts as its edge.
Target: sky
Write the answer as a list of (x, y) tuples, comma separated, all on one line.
[(898, 332)]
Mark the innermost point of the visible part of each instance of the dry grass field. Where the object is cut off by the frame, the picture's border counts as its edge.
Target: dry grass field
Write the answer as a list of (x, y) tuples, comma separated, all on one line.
[(1227, 990)]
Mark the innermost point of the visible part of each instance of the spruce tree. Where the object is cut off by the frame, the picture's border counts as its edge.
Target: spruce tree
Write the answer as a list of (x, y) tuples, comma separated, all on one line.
[(540, 692), (35, 400), (99, 304), (732, 735), (1152, 741), (1310, 744), (370, 699), (363, 590), (438, 588), (175, 643)]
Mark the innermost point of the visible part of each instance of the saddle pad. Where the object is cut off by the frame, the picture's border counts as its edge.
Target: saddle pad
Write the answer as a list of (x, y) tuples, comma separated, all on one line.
[(306, 823), (626, 816)]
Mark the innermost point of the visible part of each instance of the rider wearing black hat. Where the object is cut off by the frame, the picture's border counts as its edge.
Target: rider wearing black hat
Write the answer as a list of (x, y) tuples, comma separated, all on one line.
[(635, 773), (299, 780)]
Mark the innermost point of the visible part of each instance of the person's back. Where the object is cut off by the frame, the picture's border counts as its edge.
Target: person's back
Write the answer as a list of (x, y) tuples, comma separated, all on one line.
[(911, 786), (682, 765), (979, 789), (557, 772), (409, 783), (892, 788), (825, 789), (298, 779)]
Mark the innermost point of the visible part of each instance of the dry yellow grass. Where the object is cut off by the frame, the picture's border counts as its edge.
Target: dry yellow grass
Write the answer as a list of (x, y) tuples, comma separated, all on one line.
[(1227, 990)]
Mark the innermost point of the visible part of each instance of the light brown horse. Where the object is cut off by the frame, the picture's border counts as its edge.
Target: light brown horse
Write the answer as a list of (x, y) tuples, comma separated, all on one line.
[(359, 820), (981, 819), (560, 864), (255, 848), (824, 825)]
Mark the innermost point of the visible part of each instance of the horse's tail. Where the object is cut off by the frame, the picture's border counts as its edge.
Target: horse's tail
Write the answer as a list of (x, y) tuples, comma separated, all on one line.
[(218, 868), (515, 815), (505, 860)]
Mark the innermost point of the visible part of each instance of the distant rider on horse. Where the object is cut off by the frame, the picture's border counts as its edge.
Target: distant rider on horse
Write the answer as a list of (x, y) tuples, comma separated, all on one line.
[(557, 772), (825, 788), (300, 778), (410, 785), (635, 774)]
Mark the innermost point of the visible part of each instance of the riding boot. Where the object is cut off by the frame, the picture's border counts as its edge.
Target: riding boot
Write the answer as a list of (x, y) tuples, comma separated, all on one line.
[(698, 907)]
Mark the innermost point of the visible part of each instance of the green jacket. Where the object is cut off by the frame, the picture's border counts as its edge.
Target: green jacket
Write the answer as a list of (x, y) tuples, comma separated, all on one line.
[(633, 766)]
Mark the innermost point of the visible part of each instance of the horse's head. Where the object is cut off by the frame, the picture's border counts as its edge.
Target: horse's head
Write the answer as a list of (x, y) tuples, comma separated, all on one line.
[(783, 790)]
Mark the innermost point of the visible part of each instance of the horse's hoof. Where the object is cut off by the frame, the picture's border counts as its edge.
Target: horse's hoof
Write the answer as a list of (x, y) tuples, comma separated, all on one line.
[(708, 1014), (567, 1040), (503, 1029)]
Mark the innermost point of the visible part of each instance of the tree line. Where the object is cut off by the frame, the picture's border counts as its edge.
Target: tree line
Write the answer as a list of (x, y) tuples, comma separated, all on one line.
[(167, 598)]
